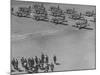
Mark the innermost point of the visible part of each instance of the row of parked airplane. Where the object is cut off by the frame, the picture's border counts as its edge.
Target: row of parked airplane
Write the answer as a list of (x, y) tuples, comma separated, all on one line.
[(55, 15)]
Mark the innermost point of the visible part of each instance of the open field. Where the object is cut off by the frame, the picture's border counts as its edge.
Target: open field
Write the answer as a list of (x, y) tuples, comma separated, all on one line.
[(75, 49)]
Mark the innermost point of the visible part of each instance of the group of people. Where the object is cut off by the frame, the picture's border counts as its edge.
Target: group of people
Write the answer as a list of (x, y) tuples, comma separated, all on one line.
[(34, 65)]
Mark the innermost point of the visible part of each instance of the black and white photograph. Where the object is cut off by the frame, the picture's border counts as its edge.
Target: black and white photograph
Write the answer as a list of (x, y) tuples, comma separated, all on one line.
[(52, 37)]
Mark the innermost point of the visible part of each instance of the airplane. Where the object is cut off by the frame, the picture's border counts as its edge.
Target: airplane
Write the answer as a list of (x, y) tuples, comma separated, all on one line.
[(76, 16), (70, 11), (59, 21), (82, 25), (90, 13), (41, 18)]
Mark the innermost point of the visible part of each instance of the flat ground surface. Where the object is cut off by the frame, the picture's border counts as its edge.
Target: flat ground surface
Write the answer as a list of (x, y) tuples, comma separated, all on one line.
[(75, 49)]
